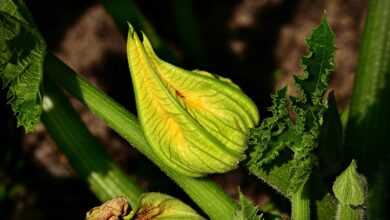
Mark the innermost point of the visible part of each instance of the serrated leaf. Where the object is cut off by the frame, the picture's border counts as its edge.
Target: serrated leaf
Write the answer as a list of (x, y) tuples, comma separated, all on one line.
[(22, 52), (319, 61), (196, 122), (247, 210), (283, 145), (16, 9)]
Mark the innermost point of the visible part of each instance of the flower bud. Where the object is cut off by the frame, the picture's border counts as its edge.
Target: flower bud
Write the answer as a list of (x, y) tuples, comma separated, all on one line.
[(350, 187), (114, 209), (155, 206), (350, 190), (195, 122)]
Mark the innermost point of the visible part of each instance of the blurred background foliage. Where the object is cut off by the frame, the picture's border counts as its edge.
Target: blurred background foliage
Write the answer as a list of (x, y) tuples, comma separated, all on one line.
[(256, 43)]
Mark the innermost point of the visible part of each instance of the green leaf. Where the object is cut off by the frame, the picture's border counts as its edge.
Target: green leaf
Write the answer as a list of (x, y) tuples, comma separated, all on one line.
[(318, 64), (247, 210), (267, 148), (22, 52), (17, 9), (283, 145), (196, 122)]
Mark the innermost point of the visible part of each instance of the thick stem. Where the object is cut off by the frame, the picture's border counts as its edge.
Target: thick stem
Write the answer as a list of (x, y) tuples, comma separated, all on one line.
[(367, 134), (85, 154), (300, 205), (209, 197)]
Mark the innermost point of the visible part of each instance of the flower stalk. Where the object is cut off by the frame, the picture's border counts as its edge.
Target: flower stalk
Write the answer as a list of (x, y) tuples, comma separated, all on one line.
[(85, 154), (300, 204), (205, 193)]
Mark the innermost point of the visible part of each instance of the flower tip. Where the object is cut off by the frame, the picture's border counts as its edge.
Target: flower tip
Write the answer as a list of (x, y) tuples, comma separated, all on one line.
[(353, 164), (116, 208), (131, 29), (155, 206)]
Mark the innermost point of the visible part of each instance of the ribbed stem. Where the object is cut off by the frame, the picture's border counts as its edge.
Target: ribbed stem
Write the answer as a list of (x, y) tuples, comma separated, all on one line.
[(85, 154), (368, 128), (205, 193), (300, 205)]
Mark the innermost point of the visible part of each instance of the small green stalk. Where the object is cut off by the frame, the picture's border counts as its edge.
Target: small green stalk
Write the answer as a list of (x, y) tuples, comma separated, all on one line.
[(210, 198), (85, 154), (300, 205)]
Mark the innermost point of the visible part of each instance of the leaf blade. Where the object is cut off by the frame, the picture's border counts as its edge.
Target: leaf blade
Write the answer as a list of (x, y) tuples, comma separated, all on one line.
[(21, 63), (247, 210), (284, 144)]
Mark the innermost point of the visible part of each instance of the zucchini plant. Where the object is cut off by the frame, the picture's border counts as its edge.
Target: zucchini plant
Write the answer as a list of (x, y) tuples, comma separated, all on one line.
[(192, 123)]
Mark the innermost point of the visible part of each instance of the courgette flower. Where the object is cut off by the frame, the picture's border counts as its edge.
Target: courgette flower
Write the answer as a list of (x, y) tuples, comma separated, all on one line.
[(196, 122)]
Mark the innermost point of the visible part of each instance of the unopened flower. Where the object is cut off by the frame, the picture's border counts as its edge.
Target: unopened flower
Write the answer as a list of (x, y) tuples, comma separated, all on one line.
[(115, 209), (156, 206), (195, 122)]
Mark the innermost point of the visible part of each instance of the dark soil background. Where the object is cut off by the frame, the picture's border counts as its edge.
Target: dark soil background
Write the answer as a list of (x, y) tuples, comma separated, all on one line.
[(256, 43)]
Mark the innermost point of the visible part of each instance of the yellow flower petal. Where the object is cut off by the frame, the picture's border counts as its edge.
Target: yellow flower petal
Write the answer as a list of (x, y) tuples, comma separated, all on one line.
[(194, 121)]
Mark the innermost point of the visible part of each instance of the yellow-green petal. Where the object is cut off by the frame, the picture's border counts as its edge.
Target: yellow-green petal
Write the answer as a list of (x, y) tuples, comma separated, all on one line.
[(158, 206), (196, 122)]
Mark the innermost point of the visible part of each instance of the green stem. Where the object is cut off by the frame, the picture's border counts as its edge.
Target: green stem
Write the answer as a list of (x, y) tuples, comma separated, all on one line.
[(346, 212), (368, 128), (85, 154), (300, 205), (210, 198), (123, 11)]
